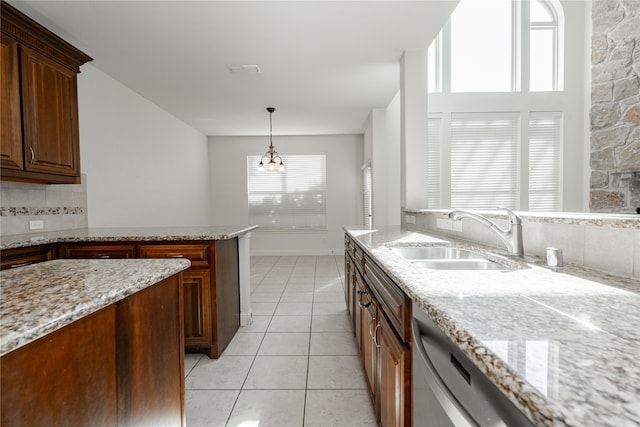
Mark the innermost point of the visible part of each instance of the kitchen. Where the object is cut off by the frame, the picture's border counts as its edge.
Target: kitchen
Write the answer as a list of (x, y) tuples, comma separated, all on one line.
[(129, 157)]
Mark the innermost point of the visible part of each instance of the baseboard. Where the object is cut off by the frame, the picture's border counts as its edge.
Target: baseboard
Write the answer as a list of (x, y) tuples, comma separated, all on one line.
[(297, 252)]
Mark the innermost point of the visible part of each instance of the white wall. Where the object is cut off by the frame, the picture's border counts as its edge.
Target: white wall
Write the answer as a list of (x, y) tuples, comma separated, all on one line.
[(382, 149), (143, 166), (228, 164)]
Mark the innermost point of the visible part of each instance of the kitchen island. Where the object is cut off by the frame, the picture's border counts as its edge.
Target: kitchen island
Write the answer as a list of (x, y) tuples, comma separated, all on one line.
[(216, 288), (92, 342), (561, 345)]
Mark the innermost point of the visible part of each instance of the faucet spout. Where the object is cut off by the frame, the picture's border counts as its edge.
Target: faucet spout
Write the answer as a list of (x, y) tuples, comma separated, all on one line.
[(512, 237)]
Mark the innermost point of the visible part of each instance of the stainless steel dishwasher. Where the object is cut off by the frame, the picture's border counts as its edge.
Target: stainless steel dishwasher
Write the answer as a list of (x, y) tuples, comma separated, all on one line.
[(448, 390)]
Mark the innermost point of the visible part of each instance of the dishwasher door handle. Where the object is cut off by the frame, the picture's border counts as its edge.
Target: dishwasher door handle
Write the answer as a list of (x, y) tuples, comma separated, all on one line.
[(455, 411)]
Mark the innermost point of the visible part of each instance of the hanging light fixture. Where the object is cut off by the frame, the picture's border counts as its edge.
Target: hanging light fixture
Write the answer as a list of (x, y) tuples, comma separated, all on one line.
[(274, 159)]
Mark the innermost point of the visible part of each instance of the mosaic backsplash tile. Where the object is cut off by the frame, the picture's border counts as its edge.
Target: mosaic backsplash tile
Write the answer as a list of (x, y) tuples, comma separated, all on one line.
[(58, 206)]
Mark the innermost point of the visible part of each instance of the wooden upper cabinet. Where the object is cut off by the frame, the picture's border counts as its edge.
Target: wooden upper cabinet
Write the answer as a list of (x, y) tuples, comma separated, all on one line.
[(50, 114), (11, 127), (40, 141)]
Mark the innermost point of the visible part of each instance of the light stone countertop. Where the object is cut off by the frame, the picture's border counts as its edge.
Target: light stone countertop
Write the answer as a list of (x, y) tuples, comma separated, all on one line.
[(40, 298), (563, 349), (132, 234)]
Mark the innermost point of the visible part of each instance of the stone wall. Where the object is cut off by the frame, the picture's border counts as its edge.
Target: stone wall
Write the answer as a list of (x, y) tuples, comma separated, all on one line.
[(615, 106)]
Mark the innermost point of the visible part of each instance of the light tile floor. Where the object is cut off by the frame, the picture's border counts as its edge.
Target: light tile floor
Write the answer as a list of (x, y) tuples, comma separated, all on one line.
[(297, 363)]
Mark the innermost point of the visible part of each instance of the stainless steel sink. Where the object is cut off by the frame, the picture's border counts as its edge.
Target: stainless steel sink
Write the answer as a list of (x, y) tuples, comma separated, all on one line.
[(458, 264), (436, 252), (446, 258)]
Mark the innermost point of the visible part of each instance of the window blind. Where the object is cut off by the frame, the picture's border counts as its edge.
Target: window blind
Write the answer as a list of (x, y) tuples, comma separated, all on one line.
[(545, 130), (367, 199), (484, 160), (293, 200), (434, 140)]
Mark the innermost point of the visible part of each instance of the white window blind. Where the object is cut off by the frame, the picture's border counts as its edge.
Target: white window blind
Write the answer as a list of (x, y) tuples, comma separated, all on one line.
[(293, 200), (545, 153), (367, 191), (484, 160), (434, 139)]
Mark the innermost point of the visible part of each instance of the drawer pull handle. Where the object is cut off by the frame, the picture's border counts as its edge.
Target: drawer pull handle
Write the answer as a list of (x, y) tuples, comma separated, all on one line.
[(375, 335), (22, 264), (101, 257), (33, 155), (175, 256)]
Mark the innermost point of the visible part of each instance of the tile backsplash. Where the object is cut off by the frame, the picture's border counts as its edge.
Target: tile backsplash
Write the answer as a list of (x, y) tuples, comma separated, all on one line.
[(58, 206), (609, 243)]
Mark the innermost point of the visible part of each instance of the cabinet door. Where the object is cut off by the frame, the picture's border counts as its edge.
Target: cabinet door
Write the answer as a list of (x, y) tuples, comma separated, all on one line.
[(196, 294), (92, 251), (11, 155), (50, 114), (64, 378), (395, 377), (368, 347)]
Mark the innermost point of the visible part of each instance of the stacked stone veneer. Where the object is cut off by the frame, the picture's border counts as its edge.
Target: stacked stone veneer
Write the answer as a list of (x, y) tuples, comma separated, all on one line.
[(615, 106)]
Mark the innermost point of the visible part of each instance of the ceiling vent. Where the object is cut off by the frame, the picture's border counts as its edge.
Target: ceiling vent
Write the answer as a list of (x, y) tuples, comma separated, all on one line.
[(243, 68)]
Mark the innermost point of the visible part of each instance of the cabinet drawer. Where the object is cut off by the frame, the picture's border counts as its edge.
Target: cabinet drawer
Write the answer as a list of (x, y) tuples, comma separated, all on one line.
[(394, 302), (198, 254), (14, 258), (93, 251)]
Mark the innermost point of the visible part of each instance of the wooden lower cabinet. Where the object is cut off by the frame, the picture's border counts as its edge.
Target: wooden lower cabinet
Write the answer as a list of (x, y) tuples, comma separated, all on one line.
[(20, 257), (96, 251), (210, 287), (395, 367), (386, 357), (211, 291), (196, 291), (121, 365)]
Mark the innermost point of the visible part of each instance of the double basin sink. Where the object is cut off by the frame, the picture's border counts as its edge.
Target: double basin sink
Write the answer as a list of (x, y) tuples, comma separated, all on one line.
[(446, 258)]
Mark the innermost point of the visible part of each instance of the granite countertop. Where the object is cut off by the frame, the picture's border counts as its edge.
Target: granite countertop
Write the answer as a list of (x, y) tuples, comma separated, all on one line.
[(133, 234), (563, 348), (41, 298)]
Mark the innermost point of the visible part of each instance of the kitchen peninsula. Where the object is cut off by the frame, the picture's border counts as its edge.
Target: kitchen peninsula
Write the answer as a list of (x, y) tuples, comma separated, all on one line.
[(92, 342), (215, 288)]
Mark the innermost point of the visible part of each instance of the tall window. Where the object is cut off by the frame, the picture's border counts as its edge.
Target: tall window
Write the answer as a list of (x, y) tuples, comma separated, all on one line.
[(293, 200), (367, 190), (483, 130), (484, 160)]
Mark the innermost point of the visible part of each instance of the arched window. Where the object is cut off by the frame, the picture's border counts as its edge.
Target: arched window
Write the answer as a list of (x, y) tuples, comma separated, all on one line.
[(485, 47), (491, 141)]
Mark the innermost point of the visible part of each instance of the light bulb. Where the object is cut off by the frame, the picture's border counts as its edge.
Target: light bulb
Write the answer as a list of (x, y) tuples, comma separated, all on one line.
[(261, 166), (281, 167), (272, 165)]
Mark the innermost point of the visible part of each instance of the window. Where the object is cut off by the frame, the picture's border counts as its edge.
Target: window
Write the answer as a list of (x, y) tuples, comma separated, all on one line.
[(484, 160), (545, 155), (434, 137), (481, 46), (293, 200), (367, 190), (489, 143)]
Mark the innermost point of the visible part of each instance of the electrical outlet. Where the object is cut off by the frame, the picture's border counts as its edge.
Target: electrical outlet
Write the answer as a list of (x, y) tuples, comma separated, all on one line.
[(445, 224), (410, 219), (457, 226), (36, 225)]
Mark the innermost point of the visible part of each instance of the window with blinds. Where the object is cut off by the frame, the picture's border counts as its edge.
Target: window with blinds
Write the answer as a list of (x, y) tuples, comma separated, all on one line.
[(434, 140), (484, 160), (545, 154), (293, 200), (367, 189)]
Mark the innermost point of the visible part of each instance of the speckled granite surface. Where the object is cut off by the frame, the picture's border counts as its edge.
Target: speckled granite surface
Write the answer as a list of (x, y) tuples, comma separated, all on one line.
[(562, 348), (41, 298), (133, 234)]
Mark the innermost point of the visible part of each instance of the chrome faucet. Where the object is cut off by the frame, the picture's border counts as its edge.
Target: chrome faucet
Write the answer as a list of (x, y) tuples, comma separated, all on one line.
[(512, 237)]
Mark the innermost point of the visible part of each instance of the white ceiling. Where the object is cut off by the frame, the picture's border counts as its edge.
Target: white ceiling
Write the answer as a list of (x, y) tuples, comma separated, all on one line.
[(324, 64)]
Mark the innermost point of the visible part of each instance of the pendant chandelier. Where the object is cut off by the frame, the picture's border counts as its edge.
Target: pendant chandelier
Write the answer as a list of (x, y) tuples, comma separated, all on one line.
[(274, 161)]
